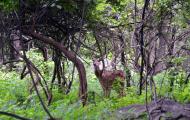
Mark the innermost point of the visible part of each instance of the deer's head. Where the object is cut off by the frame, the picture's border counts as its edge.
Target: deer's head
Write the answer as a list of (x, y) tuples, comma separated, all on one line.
[(96, 62)]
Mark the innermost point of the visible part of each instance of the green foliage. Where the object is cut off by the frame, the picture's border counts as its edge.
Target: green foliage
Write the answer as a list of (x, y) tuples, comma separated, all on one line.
[(37, 58), (8, 5), (182, 95), (178, 60), (16, 98), (179, 11), (14, 94), (180, 91), (117, 85), (110, 12)]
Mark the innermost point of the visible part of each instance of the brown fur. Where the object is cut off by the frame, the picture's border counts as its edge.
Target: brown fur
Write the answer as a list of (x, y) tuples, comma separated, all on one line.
[(107, 78)]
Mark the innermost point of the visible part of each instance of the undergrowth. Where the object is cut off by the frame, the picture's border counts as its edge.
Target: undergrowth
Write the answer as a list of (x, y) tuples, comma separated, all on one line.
[(15, 97)]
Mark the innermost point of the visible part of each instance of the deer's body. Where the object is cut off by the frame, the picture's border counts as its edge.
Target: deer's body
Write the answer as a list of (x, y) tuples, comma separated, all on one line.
[(107, 78)]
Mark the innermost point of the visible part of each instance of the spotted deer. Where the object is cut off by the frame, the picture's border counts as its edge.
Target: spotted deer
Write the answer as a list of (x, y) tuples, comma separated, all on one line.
[(107, 78)]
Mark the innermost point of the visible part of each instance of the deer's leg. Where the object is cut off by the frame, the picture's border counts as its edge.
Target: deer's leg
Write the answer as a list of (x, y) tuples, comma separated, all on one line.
[(122, 87), (108, 92), (104, 91)]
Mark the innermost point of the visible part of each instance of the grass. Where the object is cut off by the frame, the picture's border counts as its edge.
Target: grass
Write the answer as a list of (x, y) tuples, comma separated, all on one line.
[(15, 97)]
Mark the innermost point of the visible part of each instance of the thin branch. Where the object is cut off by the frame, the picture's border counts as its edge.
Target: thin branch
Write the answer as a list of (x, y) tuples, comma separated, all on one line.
[(13, 115), (35, 87), (142, 53), (30, 69), (77, 47)]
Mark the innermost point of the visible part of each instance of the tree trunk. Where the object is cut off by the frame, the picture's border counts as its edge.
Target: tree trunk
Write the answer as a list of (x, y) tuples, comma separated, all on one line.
[(72, 57)]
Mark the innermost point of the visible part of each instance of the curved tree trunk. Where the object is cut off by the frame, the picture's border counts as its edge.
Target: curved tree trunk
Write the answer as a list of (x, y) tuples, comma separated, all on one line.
[(72, 57)]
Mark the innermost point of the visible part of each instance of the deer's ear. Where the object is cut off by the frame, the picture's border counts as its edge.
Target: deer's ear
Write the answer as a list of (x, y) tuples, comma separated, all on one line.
[(94, 59)]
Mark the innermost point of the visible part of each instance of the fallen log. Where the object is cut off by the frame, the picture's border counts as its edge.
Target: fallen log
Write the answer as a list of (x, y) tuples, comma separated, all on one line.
[(163, 109)]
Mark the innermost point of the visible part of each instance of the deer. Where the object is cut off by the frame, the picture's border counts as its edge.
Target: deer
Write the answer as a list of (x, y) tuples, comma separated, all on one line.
[(108, 77)]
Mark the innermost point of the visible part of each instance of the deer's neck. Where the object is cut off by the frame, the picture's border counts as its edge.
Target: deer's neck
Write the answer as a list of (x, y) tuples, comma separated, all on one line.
[(98, 72)]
